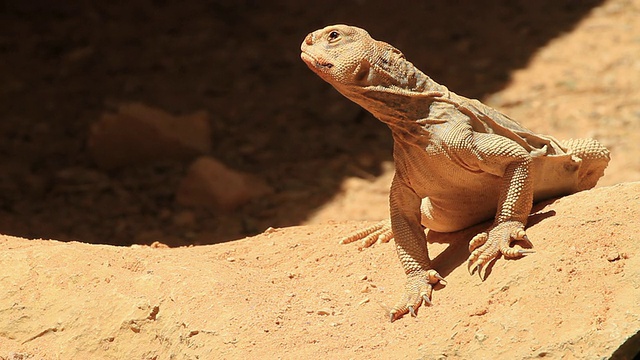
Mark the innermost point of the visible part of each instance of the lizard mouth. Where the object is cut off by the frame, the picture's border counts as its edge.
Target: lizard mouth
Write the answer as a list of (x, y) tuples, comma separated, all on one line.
[(312, 61)]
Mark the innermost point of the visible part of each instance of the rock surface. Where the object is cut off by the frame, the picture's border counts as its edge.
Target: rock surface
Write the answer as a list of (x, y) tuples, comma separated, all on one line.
[(138, 133), (211, 184), (296, 293)]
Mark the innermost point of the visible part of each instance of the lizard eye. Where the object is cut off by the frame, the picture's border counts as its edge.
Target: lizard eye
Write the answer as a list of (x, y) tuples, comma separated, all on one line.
[(333, 36)]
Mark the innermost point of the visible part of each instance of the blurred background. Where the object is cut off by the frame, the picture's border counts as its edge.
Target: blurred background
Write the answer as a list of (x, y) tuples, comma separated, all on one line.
[(79, 162)]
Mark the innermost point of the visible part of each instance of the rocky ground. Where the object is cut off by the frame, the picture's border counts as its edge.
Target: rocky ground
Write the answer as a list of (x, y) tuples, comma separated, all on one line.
[(294, 293), (191, 124)]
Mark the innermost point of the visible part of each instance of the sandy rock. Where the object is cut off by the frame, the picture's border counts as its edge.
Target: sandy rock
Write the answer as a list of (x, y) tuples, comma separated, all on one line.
[(138, 133), (211, 184), (566, 301)]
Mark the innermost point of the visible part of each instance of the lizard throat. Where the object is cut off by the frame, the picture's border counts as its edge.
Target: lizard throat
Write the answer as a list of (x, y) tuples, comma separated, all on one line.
[(314, 62)]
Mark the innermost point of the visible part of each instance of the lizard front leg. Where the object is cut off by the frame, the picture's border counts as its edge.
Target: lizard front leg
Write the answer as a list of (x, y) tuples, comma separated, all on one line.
[(503, 156), (411, 246)]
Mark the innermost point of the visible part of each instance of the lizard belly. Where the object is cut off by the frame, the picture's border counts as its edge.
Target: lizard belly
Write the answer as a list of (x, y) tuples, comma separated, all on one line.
[(452, 197), (459, 208)]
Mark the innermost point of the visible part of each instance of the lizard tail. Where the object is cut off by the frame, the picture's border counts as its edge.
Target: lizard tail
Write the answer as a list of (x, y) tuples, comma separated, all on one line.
[(595, 158)]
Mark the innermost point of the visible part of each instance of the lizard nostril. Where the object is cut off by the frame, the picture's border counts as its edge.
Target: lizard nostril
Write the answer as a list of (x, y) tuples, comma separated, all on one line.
[(309, 39)]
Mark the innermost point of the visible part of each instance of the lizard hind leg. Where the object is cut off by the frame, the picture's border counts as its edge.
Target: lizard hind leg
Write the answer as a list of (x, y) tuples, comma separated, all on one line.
[(378, 233)]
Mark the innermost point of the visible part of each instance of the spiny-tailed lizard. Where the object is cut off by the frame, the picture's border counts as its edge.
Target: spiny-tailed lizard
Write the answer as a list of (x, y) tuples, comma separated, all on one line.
[(458, 162)]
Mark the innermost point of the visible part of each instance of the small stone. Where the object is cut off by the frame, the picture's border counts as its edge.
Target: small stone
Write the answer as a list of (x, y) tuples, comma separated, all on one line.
[(324, 311), (613, 256), (158, 245), (363, 301), (479, 311), (480, 336), (135, 327), (365, 289), (149, 237), (231, 259), (269, 230)]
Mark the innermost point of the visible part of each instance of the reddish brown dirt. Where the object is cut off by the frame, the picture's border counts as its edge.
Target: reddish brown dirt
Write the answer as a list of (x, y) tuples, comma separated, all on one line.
[(569, 69), (294, 293)]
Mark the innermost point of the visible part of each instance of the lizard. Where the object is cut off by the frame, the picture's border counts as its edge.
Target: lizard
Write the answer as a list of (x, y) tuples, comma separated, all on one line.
[(458, 162)]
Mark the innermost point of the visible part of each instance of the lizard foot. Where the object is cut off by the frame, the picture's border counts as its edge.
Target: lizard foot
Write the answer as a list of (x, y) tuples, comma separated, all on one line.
[(377, 233), (487, 246), (417, 291)]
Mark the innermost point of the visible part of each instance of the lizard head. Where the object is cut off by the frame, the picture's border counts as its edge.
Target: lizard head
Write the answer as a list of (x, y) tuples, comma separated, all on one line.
[(339, 54), (367, 71), (346, 56)]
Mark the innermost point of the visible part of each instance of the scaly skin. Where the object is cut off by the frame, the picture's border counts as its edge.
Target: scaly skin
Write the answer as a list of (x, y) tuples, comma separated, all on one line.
[(458, 161)]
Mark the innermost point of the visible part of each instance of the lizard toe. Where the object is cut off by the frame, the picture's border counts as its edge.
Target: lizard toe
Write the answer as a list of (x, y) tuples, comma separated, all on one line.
[(377, 233), (478, 241), (488, 246), (516, 251), (417, 292), (382, 235)]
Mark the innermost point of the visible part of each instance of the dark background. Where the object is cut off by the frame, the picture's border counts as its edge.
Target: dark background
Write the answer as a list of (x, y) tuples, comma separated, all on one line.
[(63, 65)]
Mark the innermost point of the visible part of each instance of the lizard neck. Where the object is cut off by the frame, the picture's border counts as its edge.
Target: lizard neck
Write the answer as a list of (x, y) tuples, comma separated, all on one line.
[(391, 70), (392, 88)]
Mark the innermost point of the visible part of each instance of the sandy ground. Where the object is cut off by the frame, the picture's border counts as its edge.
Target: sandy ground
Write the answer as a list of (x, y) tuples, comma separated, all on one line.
[(570, 69), (294, 293)]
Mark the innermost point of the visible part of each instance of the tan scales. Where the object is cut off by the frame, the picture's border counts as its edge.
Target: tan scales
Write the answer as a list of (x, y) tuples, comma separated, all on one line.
[(458, 161)]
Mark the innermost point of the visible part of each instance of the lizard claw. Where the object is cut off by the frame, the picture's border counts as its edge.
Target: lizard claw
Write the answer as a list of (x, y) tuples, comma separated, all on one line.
[(426, 300), (477, 266), (522, 236), (417, 292), (488, 246), (469, 263), (439, 279), (482, 272)]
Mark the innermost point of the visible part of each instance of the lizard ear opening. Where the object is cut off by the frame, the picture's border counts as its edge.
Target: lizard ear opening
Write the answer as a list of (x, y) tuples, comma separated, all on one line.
[(362, 71)]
